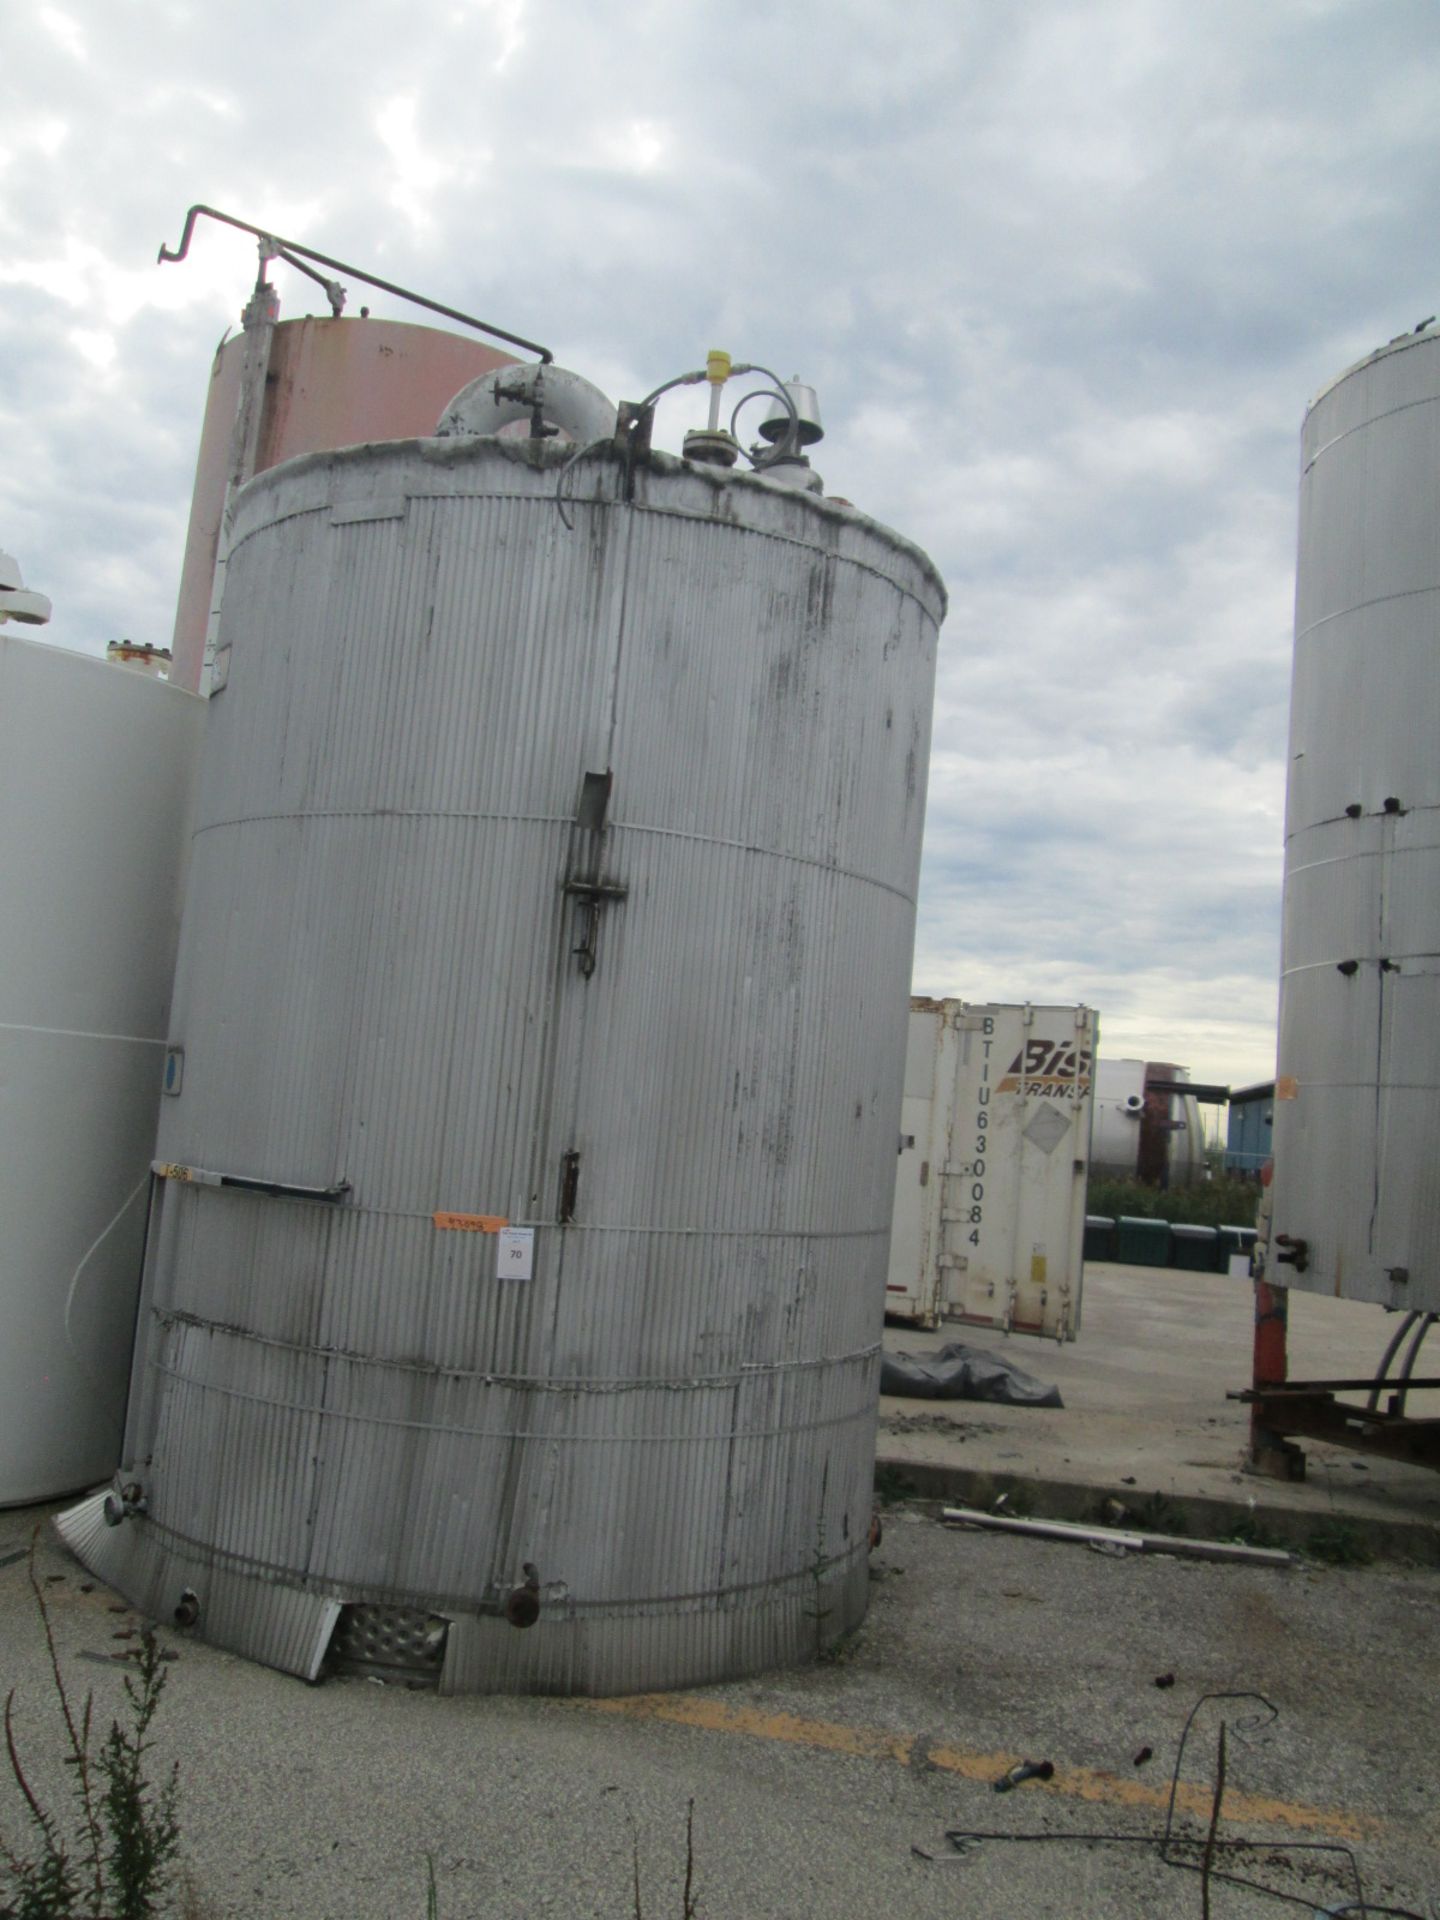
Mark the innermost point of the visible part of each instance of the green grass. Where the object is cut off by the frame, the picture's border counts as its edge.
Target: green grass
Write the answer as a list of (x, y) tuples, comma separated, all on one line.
[(893, 1485), (1339, 1543)]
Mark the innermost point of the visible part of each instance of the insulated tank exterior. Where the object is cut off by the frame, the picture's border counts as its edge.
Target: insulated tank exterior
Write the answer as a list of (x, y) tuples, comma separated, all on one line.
[(97, 779), (553, 894), (1356, 1132)]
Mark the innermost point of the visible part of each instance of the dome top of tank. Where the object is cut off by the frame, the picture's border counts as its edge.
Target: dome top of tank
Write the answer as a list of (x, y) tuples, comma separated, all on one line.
[(1420, 336)]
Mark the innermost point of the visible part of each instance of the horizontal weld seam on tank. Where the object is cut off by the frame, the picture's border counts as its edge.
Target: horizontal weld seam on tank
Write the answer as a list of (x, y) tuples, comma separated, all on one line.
[(701, 1598), (78, 1033), (537, 1383), (363, 1592), (769, 853), (1363, 426), (722, 1436), (356, 1210), (574, 1227), (392, 813), (561, 820), (1360, 853), (1361, 606)]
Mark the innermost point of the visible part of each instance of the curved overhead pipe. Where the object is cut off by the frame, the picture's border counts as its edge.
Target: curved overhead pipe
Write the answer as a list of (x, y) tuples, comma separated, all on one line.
[(283, 249)]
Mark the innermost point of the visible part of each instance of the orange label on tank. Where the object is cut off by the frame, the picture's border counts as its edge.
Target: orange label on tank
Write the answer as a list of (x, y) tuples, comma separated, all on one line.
[(1286, 1087), (470, 1222)]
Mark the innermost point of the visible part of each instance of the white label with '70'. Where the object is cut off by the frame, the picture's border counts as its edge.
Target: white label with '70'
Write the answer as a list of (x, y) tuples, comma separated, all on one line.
[(515, 1253)]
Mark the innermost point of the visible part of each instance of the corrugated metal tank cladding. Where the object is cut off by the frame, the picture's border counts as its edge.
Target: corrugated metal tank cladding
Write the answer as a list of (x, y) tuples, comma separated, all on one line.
[(541, 873), (1357, 1099)]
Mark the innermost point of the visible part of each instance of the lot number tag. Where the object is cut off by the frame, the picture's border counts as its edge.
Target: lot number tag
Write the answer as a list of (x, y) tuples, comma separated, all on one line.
[(515, 1253)]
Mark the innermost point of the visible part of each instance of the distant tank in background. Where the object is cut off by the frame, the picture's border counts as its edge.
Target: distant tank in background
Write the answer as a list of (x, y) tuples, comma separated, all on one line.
[(1143, 1128), (1357, 1092)]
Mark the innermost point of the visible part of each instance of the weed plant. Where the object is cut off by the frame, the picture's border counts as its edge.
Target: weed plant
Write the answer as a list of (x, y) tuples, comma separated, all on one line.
[(113, 1858), (1339, 1543)]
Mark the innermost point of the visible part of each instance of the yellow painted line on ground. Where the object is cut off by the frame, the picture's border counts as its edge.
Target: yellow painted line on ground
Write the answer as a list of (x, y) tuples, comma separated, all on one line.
[(1076, 1783)]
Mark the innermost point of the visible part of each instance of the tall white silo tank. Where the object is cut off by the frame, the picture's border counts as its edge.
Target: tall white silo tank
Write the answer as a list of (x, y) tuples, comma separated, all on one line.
[(447, 716), (1356, 1131), (97, 769)]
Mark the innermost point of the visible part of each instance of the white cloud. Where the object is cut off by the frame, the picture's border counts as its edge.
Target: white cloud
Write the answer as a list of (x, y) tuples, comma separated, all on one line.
[(65, 32), (418, 174)]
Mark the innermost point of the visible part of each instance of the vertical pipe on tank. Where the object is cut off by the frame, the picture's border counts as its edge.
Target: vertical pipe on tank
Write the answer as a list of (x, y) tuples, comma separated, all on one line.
[(262, 310)]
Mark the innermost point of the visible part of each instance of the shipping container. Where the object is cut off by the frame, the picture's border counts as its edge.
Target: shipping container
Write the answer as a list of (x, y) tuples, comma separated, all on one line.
[(994, 1146)]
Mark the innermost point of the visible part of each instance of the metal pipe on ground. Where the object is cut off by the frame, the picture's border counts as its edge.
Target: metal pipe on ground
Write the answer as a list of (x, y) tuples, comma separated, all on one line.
[(1132, 1542)]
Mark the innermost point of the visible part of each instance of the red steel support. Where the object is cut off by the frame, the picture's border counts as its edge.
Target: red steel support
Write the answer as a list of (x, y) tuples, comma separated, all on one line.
[(1276, 1458)]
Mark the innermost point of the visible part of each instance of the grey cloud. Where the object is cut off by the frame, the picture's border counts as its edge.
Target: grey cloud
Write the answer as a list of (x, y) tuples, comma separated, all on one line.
[(1065, 278)]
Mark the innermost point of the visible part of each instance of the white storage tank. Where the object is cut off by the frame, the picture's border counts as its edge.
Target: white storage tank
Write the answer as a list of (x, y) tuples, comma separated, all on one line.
[(1144, 1129), (97, 770), (1356, 1133), (542, 991), (989, 1223)]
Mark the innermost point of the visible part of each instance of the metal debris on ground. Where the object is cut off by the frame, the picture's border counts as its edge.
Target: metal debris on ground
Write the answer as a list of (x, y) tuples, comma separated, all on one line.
[(1198, 1852), (1026, 1770), (1137, 1542)]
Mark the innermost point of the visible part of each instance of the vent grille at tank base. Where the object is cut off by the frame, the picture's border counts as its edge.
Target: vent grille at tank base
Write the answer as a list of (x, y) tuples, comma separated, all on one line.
[(389, 1643)]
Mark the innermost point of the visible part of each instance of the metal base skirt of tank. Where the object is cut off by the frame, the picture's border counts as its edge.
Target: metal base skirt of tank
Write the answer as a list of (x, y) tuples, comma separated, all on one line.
[(276, 1625), (617, 1649), (656, 1648)]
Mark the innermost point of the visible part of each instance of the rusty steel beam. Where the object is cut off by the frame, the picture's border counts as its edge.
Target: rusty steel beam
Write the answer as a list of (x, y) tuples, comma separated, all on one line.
[(1316, 1415)]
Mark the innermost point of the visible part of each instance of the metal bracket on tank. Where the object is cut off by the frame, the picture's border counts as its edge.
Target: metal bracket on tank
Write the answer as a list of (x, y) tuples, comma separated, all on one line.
[(277, 1189), (589, 887)]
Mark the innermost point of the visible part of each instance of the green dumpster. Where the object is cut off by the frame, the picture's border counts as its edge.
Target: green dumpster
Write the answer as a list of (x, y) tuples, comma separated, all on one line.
[(1142, 1243), (1193, 1248), (1099, 1237)]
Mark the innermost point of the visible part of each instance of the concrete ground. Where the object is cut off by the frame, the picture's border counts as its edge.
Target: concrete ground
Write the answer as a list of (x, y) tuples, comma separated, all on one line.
[(813, 1789), (1146, 1420), (827, 1793)]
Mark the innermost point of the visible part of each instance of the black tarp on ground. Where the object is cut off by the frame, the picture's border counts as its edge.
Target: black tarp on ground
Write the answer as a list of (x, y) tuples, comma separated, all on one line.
[(964, 1373)]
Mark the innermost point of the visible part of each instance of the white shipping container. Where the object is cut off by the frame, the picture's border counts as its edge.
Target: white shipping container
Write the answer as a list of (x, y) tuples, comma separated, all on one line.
[(989, 1220)]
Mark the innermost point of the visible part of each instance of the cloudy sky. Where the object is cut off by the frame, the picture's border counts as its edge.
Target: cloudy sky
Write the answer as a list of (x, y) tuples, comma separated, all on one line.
[(1065, 277)]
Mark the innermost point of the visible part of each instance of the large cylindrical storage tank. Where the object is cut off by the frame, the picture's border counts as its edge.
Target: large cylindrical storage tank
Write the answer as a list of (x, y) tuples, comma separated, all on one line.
[(97, 778), (325, 383), (1357, 1099), (560, 876)]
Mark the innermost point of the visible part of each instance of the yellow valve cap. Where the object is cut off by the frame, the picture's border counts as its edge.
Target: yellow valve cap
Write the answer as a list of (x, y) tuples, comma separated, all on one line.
[(717, 366)]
